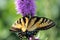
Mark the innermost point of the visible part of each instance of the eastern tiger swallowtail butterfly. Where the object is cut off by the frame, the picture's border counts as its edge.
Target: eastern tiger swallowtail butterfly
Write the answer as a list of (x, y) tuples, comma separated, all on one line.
[(27, 26)]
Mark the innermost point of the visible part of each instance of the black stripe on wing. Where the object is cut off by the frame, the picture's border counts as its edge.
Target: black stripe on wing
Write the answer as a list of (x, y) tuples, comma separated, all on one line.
[(31, 21), (37, 19), (19, 21), (24, 18)]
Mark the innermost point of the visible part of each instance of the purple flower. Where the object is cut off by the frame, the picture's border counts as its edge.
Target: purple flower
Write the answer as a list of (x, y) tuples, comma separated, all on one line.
[(36, 38), (33, 38), (25, 7)]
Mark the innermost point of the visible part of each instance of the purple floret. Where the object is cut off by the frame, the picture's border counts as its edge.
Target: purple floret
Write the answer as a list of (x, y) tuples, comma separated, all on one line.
[(33, 38), (25, 7)]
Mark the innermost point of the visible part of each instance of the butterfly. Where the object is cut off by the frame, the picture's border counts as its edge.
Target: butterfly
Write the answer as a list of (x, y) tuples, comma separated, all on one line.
[(28, 26)]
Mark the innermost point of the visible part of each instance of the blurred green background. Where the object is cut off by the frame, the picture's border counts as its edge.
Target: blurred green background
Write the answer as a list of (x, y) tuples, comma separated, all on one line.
[(44, 8)]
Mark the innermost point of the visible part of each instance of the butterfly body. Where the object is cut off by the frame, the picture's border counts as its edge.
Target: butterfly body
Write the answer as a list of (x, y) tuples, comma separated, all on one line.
[(28, 26)]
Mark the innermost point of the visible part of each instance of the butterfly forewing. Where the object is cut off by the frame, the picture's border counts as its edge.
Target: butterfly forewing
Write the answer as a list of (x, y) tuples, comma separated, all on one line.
[(20, 24), (40, 23)]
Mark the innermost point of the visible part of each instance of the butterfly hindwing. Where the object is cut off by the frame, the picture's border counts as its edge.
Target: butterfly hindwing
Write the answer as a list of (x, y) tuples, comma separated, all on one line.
[(40, 23)]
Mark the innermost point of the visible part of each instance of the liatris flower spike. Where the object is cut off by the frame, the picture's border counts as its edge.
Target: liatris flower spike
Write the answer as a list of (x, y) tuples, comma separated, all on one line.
[(25, 7)]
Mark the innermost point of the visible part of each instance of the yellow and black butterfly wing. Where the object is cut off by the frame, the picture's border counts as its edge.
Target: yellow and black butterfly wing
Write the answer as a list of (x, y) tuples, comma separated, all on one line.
[(20, 24), (40, 23)]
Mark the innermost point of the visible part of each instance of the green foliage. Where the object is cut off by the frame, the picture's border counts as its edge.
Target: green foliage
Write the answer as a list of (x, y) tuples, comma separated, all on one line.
[(45, 8)]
